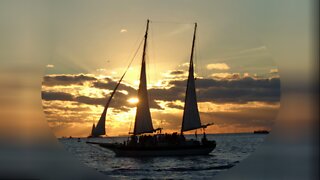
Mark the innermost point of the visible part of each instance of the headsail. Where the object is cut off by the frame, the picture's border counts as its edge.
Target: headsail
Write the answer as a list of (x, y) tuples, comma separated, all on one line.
[(100, 128), (191, 117), (93, 127), (143, 121)]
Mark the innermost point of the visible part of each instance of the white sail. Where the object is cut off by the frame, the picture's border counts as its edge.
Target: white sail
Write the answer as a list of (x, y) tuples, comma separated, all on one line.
[(143, 121), (191, 117)]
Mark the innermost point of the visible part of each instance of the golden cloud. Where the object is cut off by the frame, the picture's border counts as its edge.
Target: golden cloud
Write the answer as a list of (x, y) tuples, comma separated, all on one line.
[(218, 66)]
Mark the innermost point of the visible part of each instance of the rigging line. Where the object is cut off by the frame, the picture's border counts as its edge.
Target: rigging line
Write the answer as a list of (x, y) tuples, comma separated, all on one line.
[(123, 75), (172, 22), (148, 70), (200, 58), (135, 44), (154, 46), (125, 72), (195, 58), (153, 49), (130, 127), (118, 84), (135, 54)]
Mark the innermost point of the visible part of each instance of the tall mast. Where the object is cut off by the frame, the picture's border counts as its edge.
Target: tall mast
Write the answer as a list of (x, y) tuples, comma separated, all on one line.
[(143, 121), (145, 43), (191, 117), (193, 43)]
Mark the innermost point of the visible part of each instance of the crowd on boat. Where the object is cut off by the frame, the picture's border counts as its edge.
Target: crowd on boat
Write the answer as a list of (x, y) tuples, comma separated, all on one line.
[(169, 139)]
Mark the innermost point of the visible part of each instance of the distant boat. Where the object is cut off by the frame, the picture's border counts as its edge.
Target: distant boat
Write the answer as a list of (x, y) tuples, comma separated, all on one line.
[(261, 132), (142, 141)]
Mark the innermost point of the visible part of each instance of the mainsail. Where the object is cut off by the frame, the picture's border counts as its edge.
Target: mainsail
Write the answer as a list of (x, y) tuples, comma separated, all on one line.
[(191, 118), (143, 121)]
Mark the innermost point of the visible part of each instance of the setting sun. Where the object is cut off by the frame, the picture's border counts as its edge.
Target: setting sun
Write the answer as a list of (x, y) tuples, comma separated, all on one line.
[(133, 100)]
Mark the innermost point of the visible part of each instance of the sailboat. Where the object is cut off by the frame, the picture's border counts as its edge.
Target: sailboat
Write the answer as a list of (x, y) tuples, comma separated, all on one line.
[(159, 144)]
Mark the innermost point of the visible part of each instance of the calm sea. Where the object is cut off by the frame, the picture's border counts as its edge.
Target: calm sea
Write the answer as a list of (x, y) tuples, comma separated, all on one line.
[(230, 150)]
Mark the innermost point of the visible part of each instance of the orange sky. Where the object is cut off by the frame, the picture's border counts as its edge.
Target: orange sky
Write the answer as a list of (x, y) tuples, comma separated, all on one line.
[(238, 79), (74, 102)]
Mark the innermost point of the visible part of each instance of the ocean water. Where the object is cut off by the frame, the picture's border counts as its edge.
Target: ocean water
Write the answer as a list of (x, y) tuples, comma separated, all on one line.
[(230, 150)]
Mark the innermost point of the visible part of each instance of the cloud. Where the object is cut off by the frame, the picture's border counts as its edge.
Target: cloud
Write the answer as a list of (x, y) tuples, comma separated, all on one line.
[(186, 64), (230, 89), (65, 80), (226, 75), (91, 101), (244, 120), (62, 96), (170, 94), (224, 91), (119, 101), (101, 70), (246, 75), (248, 102), (123, 30), (177, 72), (50, 66), (274, 71), (174, 105), (111, 84), (218, 66)]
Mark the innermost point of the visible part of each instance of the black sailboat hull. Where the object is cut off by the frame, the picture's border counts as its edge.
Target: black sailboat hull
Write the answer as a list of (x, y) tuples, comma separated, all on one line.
[(153, 151)]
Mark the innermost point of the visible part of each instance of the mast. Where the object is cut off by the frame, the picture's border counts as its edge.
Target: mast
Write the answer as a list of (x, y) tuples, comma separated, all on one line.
[(143, 121), (191, 117)]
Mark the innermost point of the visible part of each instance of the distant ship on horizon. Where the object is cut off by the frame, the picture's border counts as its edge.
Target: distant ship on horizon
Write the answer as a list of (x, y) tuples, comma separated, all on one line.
[(143, 141), (261, 132)]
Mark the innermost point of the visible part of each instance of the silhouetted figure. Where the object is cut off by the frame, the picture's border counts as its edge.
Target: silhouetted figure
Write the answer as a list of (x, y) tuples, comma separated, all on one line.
[(204, 140), (133, 140), (195, 134)]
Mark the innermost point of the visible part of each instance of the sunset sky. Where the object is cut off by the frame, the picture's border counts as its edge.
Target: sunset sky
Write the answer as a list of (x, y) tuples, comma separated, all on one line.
[(238, 82)]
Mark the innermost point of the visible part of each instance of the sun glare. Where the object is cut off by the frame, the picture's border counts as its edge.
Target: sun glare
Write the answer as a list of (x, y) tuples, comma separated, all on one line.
[(133, 100)]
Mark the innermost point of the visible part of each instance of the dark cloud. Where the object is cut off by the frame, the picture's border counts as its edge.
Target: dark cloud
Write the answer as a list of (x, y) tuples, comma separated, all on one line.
[(247, 117), (241, 90), (173, 105), (111, 84), (119, 100), (226, 91), (171, 94), (50, 96), (177, 72), (65, 80), (244, 118), (168, 121), (91, 101)]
